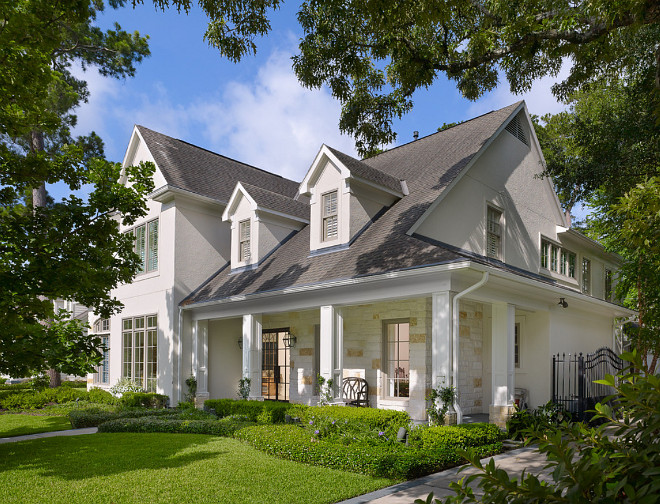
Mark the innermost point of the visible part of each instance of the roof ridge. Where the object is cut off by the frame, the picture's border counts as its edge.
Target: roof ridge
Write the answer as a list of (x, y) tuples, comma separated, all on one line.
[(218, 154), (447, 129)]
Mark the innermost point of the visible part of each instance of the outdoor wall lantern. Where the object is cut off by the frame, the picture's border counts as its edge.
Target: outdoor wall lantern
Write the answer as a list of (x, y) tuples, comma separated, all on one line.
[(289, 340), (563, 303), (240, 342)]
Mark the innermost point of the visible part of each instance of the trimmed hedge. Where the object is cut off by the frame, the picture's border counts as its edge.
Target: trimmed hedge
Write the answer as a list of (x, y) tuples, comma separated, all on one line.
[(266, 412), (94, 417), (16, 386), (388, 421), (27, 399), (74, 383), (144, 400), (171, 425), (392, 460), (455, 436)]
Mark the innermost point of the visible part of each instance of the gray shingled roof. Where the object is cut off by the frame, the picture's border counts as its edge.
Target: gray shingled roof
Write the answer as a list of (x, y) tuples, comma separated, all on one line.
[(428, 165), (203, 172), (366, 172), (277, 202)]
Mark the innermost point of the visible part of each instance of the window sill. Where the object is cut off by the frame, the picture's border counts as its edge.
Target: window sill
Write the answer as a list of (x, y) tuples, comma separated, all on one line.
[(559, 277), (145, 276)]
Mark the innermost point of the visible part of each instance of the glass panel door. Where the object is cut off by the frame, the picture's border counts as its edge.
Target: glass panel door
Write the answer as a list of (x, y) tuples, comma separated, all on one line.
[(275, 365)]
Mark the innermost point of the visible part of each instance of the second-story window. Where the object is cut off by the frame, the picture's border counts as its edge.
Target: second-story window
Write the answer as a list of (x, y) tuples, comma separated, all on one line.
[(244, 240), (146, 245), (608, 285), (494, 233), (330, 218)]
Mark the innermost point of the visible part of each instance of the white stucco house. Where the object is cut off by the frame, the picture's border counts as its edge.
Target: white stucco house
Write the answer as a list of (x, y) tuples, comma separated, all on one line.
[(443, 261)]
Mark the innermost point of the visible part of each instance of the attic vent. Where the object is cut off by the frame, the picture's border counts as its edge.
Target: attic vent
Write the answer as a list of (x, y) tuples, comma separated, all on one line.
[(515, 128)]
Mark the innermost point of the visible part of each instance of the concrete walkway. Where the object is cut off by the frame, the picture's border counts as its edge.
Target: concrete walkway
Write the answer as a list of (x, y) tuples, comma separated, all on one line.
[(70, 432), (513, 462)]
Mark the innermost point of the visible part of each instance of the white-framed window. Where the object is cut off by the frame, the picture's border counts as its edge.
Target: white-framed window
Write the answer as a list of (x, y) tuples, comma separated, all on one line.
[(586, 276), (244, 240), (146, 245), (330, 217), (140, 350), (102, 329), (557, 259), (608, 285), (493, 233), (397, 357)]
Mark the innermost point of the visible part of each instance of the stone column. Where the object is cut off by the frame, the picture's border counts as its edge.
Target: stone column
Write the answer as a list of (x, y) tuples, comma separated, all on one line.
[(332, 343), (503, 365), (252, 344), (200, 360)]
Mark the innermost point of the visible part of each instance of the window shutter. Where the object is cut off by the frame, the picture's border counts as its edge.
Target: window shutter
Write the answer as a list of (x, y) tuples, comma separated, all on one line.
[(140, 246), (152, 263), (244, 239), (493, 233), (330, 219)]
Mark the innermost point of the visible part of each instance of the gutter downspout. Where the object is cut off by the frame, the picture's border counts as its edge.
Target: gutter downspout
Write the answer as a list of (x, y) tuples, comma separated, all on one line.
[(179, 359), (455, 343)]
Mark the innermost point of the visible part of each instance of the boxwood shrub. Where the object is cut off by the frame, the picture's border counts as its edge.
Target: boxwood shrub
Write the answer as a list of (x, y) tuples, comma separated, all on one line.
[(387, 421), (172, 425), (28, 399), (144, 399), (93, 417), (266, 412), (456, 436), (392, 460)]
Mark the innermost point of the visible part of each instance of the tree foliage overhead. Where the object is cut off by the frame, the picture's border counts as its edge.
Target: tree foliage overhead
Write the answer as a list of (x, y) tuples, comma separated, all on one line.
[(69, 249), (374, 54)]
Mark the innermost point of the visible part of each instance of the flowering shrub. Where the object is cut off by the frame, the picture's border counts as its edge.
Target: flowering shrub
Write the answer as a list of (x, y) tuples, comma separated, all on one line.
[(124, 385)]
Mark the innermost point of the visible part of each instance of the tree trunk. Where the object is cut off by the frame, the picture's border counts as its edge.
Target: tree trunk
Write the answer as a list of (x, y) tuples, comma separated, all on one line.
[(39, 200)]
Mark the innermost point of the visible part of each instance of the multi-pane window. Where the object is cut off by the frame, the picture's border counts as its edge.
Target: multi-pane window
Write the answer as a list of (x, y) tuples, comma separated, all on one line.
[(244, 240), (558, 259), (102, 329), (494, 233), (330, 217), (397, 349), (140, 350), (608, 285), (586, 276), (146, 245)]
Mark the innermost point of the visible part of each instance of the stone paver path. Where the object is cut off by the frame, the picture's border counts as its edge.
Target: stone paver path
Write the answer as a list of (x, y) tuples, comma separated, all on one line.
[(70, 432)]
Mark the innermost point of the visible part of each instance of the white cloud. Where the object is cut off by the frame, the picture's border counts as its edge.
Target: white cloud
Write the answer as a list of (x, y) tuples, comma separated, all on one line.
[(539, 99), (273, 123)]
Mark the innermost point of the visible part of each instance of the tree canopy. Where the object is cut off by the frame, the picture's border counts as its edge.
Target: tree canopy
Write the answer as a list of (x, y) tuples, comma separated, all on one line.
[(69, 249), (374, 54)]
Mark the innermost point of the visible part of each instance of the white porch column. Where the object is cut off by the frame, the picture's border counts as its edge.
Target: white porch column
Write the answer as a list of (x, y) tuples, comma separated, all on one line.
[(503, 364), (332, 343), (252, 343), (200, 360), (441, 340)]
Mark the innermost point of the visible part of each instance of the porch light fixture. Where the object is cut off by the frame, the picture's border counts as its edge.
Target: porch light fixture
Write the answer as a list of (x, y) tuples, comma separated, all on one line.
[(289, 340), (240, 342), (563, 303)]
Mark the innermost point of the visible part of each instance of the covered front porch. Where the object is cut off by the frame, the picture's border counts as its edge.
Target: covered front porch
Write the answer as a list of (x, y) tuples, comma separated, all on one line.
[(401, 346)]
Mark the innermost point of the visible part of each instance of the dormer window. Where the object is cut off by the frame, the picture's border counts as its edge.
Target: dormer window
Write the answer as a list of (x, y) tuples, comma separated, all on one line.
[(244, 239), (494, 233), (330, 218)]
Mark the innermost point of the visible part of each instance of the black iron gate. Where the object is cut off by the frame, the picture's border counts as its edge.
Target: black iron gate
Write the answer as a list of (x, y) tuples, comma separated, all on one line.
[(573, 378)]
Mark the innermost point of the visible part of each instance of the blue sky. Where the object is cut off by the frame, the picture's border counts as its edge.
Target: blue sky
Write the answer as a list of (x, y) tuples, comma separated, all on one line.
[(254, 111)]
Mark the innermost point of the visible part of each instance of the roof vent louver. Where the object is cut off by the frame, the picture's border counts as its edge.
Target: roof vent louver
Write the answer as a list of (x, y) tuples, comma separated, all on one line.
[(516, 129)]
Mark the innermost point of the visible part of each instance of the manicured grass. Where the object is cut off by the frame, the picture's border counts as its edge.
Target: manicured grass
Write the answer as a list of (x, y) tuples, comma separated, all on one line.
[(18, 424), (164, 468)]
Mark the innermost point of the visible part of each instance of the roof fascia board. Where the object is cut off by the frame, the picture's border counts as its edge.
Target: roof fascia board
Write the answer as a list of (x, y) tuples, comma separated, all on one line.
[(537, 145), (161, 194), (234, 199), (588, 242), (305, 185), (281, 214), (460, 175), (136, 139)]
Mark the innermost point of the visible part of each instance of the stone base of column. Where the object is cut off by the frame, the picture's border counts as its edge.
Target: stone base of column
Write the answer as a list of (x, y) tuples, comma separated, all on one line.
[(451, 418), (499, 415), (200, 397)]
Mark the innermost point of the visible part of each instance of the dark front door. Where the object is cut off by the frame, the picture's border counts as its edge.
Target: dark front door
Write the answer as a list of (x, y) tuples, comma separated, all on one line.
[(275, 365)]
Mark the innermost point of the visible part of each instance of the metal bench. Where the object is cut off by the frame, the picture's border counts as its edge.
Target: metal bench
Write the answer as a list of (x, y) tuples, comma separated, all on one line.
[(355, 392)]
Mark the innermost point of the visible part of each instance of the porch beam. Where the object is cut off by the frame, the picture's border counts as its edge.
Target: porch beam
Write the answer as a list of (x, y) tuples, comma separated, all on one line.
[(252, 348)]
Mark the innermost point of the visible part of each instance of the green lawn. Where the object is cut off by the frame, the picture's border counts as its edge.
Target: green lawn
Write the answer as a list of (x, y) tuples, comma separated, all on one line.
[(19, 424), (176, 468)]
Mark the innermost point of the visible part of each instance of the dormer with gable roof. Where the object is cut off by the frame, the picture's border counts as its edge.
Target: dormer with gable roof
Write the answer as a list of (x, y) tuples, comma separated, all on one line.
[(346, 195), (260, 221)]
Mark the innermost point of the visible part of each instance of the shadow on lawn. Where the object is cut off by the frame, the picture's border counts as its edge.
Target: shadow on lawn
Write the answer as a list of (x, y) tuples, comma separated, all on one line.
[(89, 456), (47, 424)]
